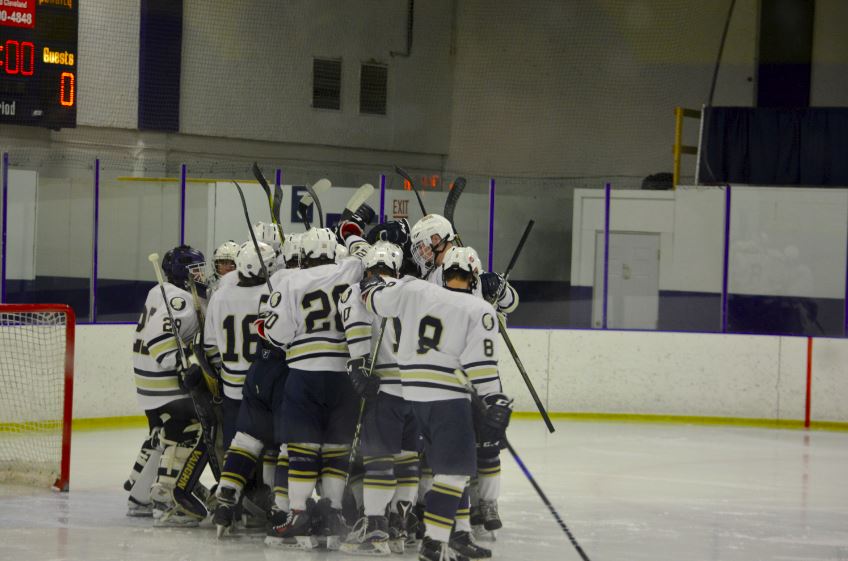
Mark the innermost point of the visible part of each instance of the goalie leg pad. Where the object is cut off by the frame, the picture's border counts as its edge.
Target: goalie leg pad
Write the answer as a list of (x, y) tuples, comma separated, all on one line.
[(180, 467)]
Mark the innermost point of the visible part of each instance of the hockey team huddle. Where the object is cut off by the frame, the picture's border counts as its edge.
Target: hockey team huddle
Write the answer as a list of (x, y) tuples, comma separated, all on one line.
[(342, 385)]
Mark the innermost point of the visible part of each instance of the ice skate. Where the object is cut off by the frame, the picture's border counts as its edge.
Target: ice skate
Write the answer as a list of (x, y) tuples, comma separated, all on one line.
[(295, 531), (225, 511), (333, 527), (434, 550), (138, 509), (370, 536), (462, 543)]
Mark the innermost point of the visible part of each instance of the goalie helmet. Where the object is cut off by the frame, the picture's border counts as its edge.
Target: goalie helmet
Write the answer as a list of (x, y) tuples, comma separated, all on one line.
[(247, 261), (429, 237), (384, 254), (268, 233), (291, 251), (182, 261), (463, 259), (318, 243), (227, 251)]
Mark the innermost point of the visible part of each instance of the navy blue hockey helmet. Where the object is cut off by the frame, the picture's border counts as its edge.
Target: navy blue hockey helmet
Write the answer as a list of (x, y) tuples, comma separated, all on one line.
[(180, 262)]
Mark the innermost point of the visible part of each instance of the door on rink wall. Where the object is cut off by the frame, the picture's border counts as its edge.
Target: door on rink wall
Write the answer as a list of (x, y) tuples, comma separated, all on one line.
[(634, 281)]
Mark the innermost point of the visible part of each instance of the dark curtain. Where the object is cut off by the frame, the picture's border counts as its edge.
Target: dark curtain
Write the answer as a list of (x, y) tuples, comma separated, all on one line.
[(775, 146)]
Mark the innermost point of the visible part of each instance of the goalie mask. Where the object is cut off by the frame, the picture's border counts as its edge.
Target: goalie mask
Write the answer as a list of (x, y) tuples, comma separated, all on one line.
[(180, 263), (291, 251), (268, 233), (248, 263), (384, 255), (317, 246), (463, 259), (429, 237)]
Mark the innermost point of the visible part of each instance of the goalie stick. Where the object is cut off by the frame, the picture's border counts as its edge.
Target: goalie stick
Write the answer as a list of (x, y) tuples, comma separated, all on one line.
[(207, 424), (275, 201), (402, 172), (478, 403), (359, 197)]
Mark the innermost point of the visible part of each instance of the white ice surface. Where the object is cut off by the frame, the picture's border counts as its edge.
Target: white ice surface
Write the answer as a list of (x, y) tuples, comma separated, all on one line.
[(626, 491)]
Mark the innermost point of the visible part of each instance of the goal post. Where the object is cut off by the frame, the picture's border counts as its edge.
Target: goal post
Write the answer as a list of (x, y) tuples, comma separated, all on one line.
[(36, 393)]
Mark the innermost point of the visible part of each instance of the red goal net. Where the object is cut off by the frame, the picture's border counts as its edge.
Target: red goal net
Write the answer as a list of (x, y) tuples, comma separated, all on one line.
[(36, 393)]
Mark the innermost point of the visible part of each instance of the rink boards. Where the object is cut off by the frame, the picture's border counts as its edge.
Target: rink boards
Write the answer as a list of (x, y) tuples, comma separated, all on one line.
[(745, 379)]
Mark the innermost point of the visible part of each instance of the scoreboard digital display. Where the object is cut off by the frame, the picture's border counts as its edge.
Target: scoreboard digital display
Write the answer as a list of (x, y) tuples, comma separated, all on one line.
[(38, 62)]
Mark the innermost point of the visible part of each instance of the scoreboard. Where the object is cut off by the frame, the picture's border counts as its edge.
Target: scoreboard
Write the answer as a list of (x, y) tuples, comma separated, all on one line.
[(38, 62)]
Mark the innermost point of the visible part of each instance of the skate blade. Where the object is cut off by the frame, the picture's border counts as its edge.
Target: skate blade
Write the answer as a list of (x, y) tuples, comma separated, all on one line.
[(332, 543), (307, 542), (222, 531), (371, 549), (281, 543)]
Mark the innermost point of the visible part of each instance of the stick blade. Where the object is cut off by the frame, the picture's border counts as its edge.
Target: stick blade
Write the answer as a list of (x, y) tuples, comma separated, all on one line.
[(453, 198), (260, 177), (362, 194)]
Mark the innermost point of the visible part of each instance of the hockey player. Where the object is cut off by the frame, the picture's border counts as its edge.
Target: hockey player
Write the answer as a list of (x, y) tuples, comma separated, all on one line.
[(389, 432), (445, 330), (431, 238), (175, 444), (320, 405), (231, 341), (224, 258), (255, 426)]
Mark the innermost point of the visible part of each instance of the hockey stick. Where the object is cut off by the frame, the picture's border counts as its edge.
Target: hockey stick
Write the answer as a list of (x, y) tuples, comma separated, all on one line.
[(306, 201), (253, 238), (453, 198), (212, 381), (206, 424), (402, 172), (478, 403), (359, 197), (356, 435), (317, 202), (274, 201), (508, 341)]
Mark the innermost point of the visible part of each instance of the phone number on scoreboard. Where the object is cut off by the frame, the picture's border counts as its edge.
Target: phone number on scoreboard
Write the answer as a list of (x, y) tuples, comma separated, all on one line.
[(38, 62)]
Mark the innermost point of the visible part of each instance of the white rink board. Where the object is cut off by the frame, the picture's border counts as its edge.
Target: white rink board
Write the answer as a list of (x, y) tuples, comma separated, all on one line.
[(641, 373)]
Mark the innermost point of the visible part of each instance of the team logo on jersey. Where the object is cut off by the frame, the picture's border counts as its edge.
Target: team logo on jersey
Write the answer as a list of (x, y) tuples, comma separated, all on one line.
[(345, 295), (488, 321), (178, 303), (275, 299)]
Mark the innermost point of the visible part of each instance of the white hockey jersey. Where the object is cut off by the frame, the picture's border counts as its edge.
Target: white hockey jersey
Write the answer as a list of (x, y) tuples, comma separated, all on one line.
[(155, 349), (304, 317), (442, 330), (506, 304), (230, 338), (362, 329)]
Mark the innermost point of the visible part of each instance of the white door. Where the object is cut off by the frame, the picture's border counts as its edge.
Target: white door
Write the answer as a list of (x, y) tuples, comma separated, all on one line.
[(634, 281)]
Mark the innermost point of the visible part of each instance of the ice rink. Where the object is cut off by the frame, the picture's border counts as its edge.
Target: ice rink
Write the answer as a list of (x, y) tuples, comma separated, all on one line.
[(627, 491)]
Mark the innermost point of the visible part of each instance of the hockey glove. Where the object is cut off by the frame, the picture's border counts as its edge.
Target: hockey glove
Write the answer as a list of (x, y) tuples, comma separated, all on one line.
[(498, 411), (368, 284), (366, 386), (493, 286), (354, 224), (395, 231)]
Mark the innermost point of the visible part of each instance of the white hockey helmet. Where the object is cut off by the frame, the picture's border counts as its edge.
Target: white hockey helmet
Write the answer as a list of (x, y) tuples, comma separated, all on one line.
[(291, 250), (247, 260), (227, 251), (268, 233), (318, 243), (464, 259), (428, 237), (386, 254)]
